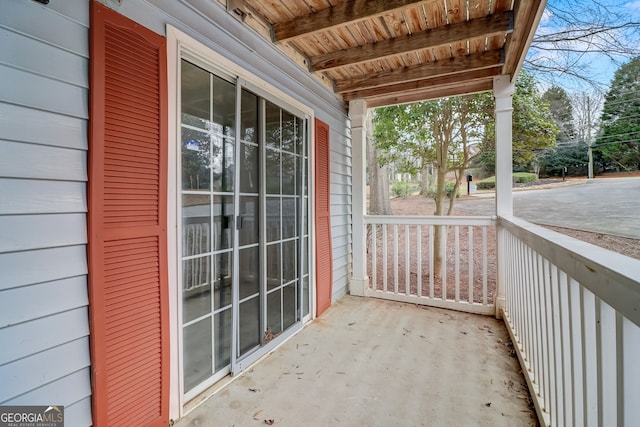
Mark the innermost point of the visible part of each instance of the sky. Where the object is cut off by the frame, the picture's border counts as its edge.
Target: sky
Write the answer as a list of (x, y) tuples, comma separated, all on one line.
[(573, 18)]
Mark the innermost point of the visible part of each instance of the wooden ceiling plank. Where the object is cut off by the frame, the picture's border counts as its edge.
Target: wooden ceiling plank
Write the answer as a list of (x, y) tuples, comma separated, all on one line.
[(416, 19), (433, 69), (451, 79), (491, 25), (436, 15), (456, 11), (339, 14), (478, 8)]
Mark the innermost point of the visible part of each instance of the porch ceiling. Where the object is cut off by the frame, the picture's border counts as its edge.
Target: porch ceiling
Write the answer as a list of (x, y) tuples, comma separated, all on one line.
[(398, 51)]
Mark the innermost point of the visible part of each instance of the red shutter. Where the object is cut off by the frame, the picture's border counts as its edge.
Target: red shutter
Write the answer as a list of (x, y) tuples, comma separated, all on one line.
[(324, 263), (127, 222)]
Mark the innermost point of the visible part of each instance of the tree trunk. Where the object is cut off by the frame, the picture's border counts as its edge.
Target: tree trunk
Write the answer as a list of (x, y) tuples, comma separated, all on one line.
[(424, 179), (440, 196), (379, 202)]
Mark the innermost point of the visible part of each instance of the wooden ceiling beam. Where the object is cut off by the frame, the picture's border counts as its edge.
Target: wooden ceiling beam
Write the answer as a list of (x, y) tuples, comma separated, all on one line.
[(340, 14), (424, 84), (527, 15), (432, 69), (427, 94), (491, 25)]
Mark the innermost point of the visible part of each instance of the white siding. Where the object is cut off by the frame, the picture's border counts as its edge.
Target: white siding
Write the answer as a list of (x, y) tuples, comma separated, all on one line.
[(44, 327)]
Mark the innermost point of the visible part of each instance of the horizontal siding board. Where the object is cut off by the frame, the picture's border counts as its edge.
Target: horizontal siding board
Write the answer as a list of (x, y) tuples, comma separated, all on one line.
[(340, 199), (25, 303), (42, 59), (43, 265), (341, 159), (78, 414), (27, 232), (68, 390), (42, 368), (35, 196), (30, 90), (341, 187), (41, 334), (54, 28), (19, 160), (52, 129)]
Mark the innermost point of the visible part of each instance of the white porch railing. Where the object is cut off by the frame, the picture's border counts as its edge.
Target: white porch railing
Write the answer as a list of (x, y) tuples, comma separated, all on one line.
[(401, 266), (573, 312)]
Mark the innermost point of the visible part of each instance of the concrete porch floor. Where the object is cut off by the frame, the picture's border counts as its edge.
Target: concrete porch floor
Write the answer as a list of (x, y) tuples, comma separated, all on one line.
[(369, 362)]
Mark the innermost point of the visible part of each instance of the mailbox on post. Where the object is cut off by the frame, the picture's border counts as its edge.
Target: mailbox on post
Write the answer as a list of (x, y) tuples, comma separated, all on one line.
[(469, 179)]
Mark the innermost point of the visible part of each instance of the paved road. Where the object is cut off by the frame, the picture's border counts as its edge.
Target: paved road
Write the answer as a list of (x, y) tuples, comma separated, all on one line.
[(605, 205)]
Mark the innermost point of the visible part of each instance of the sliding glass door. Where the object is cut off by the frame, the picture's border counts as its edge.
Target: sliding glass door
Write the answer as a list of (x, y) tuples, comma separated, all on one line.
[(244, 228)]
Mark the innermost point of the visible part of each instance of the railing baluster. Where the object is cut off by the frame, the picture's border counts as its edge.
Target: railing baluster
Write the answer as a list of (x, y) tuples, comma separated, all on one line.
[(407, 265), (419, 260), (485, 263), (456, 231), (384, 258), (374, 256), (431, 280), (620, 377), (576, 347), (395, 258), (443, 272), (470, 259)]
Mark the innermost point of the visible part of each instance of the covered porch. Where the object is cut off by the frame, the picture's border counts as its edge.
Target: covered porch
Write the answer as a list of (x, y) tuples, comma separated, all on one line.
[(571, 310), (372, 362)]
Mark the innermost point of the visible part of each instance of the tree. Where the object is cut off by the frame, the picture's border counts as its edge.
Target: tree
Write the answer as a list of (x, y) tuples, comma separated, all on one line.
[(439, 132), (619, 139), (572, 157), (534, 129), (575, 36), (379, 203), (562, 112)]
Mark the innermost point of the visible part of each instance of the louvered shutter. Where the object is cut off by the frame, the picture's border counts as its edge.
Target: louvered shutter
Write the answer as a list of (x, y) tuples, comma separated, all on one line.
[(127, 222), (324, 260)]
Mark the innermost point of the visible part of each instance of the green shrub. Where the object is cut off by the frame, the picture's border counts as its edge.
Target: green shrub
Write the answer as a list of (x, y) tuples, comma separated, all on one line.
[(448, 187), (487, 183), (401, 189), (518, 178), (524, 177)]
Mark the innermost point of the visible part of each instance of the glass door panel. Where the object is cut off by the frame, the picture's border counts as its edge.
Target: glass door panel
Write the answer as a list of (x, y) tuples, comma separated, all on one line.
[(208, 186), (250, 295), (250, 219)]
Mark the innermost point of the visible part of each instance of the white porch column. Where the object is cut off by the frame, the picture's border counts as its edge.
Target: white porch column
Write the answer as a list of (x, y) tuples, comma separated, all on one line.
[(503, 92), (359, 282)]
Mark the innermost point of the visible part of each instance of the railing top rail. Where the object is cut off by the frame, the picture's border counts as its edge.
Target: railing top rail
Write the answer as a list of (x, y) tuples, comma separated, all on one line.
[(430, 220), (612, 277)]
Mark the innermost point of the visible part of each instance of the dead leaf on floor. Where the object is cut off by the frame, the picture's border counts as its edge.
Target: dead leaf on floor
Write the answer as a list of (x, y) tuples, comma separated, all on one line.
[(487, 404), (269, 422), (463, 332), (255, 416), (341, 373), (352, 323), (255, 390)]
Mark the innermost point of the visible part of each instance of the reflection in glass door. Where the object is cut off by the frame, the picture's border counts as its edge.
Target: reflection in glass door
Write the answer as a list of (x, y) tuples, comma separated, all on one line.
[(254, 214), (208, 174)]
